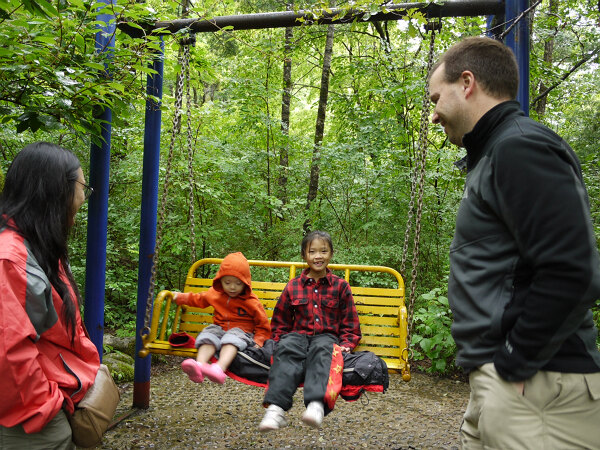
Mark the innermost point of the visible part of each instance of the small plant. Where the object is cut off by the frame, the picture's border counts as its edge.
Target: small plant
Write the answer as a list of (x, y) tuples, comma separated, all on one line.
[(431, 333), (107, 349)]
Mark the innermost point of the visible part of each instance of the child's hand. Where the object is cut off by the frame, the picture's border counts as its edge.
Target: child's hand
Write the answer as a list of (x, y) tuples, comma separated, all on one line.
[(345, 349), (178, 300)]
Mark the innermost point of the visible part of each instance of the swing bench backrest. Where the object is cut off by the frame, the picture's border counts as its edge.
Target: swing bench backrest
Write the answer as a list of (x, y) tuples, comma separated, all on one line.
[(381, 310)]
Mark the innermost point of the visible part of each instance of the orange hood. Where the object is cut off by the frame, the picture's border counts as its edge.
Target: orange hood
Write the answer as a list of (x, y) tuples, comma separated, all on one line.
[(234, 264)]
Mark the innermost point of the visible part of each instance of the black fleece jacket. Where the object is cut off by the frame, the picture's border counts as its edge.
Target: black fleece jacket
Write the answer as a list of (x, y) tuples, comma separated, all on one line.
[(524, 261)]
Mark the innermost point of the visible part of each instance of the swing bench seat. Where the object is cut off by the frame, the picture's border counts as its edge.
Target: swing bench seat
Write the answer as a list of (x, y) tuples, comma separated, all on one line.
[(381, 310)]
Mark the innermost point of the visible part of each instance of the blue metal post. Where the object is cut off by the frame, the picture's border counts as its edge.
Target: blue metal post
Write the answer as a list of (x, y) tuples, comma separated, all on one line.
[(518, 40), (95, 279), (141, 387)]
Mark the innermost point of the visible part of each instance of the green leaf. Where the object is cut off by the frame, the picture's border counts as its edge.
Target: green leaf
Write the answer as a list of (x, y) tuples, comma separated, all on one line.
[(117, 86), (412, 30), (95, 66), (40, 8), (46, 39), (79, 40)]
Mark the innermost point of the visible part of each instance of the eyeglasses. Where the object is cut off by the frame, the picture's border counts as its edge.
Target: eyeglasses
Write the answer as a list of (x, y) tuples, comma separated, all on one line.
[(88, 190)]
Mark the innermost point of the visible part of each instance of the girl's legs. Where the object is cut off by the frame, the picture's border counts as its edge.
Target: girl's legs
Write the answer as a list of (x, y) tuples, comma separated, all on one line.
[(226, 356), (232, 341), (207, 342), (287, 371), (216, 372), (318, 366), (319, 395), (205, 352), (212, 339)]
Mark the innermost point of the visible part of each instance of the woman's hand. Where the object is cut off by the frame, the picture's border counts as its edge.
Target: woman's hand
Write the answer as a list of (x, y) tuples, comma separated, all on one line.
[(345, 349)]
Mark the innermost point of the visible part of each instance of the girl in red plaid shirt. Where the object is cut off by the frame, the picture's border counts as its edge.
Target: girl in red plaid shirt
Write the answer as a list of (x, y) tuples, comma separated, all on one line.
[(314, 321)]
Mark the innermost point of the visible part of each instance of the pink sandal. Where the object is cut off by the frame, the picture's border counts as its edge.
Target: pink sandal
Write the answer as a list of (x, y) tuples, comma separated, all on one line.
[(193, 370), (214, 373)]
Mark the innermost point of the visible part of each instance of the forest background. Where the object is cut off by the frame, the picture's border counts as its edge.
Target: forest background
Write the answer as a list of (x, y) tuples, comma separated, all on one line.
[(313, 125)]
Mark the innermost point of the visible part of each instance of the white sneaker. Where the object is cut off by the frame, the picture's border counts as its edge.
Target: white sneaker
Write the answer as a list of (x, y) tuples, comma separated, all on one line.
[(313, 416), (274, 419)]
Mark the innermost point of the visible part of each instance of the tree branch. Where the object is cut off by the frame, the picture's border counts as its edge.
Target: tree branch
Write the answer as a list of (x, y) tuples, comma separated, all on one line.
[(564, 77)]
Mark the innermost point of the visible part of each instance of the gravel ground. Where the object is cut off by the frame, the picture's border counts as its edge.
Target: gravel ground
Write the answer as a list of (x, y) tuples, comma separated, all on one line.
[(424, 413)]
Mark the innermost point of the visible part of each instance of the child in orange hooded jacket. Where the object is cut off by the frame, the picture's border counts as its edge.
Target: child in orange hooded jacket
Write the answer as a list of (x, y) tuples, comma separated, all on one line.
[(239, 320)]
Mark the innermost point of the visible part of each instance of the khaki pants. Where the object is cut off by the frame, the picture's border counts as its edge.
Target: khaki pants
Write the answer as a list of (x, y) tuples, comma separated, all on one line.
[(55, 435), (557, 411)]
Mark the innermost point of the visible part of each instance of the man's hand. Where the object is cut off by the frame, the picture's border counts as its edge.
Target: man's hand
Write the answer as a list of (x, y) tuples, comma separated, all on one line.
[(520, 387)]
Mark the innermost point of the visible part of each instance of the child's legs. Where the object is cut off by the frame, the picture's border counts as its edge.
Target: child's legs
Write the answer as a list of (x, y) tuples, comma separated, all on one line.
[(226, 356), (318, 366), (208, 342), (287, 370), (233, 341), (205, 352)]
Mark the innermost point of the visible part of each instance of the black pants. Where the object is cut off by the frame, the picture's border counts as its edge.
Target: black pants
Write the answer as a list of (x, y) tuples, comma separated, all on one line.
[(300, 358)]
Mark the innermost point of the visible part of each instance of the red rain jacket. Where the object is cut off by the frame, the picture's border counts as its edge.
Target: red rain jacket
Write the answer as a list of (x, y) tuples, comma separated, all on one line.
[(41, 370)]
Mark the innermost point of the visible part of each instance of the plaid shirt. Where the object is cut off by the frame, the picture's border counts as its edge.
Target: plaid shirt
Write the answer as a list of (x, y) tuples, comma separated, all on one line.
[(309, 307)]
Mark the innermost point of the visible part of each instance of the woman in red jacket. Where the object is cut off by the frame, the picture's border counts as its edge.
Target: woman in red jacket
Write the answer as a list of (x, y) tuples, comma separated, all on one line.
[(46, 361)]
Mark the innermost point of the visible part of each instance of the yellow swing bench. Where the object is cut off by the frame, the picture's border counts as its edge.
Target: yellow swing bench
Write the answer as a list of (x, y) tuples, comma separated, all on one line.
[(382, 312)]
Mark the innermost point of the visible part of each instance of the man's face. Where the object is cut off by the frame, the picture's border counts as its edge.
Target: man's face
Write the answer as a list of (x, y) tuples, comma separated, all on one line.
[(449, 111)]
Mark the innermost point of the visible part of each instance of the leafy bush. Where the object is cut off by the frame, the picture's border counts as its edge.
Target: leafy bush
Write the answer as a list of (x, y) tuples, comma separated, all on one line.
[(431, 332)]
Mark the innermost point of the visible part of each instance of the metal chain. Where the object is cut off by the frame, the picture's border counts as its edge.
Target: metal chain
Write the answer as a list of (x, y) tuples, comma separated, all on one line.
[(190, 155), (409, 219), (184, 61), (423, 133), (415, 172)]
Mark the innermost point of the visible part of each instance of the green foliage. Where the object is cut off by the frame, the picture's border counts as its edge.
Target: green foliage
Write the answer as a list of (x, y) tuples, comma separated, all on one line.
[(55, 77), (431, 332)]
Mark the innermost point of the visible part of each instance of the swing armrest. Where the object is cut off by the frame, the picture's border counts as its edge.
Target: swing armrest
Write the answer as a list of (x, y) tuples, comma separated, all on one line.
[(160, 314)]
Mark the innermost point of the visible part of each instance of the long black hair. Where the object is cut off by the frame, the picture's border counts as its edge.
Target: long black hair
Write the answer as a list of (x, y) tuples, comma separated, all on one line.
[(38, 194)]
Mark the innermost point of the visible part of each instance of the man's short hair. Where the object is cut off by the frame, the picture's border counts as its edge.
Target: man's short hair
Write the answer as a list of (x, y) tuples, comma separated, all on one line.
[(493, 64)]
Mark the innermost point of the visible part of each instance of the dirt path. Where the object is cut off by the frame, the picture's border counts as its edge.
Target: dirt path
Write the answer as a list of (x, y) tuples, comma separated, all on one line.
[(422, 414)]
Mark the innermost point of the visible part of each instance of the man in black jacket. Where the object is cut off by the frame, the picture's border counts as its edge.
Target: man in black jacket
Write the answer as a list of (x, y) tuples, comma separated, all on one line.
[(524, 261)]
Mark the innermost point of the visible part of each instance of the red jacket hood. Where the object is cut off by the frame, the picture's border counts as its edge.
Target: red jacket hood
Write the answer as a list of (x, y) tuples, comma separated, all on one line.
[(234, 264)]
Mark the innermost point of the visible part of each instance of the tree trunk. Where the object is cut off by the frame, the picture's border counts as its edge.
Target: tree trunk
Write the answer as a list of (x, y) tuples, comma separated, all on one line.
[(285, 112), (313, 186), (540, 107), (268, 138)]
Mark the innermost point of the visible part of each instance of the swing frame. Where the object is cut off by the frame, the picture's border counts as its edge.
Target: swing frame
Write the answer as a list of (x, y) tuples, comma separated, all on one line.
[(518, 39)]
